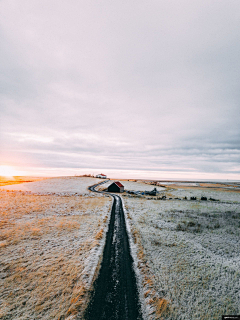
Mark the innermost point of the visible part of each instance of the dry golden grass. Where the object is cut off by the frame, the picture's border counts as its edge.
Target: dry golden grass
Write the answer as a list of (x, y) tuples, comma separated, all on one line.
[(44, 242), (99, 235), (4, 181), (161, 305)]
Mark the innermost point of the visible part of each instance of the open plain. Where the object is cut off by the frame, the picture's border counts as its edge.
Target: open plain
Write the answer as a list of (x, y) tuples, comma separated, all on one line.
[(50, 246), (190, 249), (184, 243)]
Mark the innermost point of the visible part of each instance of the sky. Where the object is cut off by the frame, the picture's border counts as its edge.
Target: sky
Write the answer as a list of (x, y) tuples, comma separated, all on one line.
[(133, 89)]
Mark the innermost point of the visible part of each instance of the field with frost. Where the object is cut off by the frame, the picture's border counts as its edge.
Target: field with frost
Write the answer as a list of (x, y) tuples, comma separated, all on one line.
[(191, 249), (51, 236), (59, 186), (132, 185)]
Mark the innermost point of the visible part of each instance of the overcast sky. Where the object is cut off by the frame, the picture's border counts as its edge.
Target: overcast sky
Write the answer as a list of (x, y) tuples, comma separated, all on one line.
[(131, 88)]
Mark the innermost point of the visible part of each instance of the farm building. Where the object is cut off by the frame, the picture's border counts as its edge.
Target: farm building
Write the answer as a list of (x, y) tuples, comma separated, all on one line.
[(101, 175), (116, 187)]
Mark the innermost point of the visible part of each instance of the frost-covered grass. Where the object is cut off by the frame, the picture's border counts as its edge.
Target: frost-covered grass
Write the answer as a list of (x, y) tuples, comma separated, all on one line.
[(136, 185), (192, 252), (60, 185), (50, 246), (220, 194)]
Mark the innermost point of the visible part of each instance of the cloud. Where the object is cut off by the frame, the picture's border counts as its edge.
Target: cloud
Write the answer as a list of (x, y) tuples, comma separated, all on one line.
[(121, 85)]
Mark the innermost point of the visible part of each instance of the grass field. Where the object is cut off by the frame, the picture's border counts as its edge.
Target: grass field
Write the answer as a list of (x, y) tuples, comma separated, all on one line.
[(186, 251), (50, 247), (189, 252), (4, 181)]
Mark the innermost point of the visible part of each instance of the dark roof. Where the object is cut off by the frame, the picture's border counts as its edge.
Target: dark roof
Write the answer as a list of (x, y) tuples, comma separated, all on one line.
[(118, 184)]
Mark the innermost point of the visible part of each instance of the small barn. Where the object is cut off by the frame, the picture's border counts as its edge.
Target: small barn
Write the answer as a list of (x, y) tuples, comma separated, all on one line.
[(116, 187)]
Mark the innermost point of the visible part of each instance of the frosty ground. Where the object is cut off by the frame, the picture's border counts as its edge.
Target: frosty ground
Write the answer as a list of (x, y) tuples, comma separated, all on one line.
[(192, 249), (133, 185), (186, 251), (52, 234)]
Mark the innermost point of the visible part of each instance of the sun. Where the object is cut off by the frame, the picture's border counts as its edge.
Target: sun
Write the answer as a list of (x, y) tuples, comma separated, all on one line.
[(8, 171)]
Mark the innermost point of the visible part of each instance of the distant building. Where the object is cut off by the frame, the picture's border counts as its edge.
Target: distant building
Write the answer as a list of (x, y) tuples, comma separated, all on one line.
[(116, 187), (102, 176)]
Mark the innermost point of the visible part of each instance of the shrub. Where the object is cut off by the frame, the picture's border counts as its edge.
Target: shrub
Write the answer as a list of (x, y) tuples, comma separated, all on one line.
[(181, 227), (191, 224)]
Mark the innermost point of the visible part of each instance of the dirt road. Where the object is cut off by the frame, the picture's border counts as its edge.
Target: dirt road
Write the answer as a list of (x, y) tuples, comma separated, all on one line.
[(115, 293)]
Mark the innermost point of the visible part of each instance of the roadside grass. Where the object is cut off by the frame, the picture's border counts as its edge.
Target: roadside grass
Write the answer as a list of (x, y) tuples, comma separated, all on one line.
[(157, 305), (46, 242)]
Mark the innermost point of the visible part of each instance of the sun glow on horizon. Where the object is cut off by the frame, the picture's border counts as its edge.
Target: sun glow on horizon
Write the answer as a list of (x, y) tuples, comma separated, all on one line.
[(8, 171)]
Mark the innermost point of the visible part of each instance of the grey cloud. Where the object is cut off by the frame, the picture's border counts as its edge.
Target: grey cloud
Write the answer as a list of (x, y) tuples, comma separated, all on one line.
[(133, 86)]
